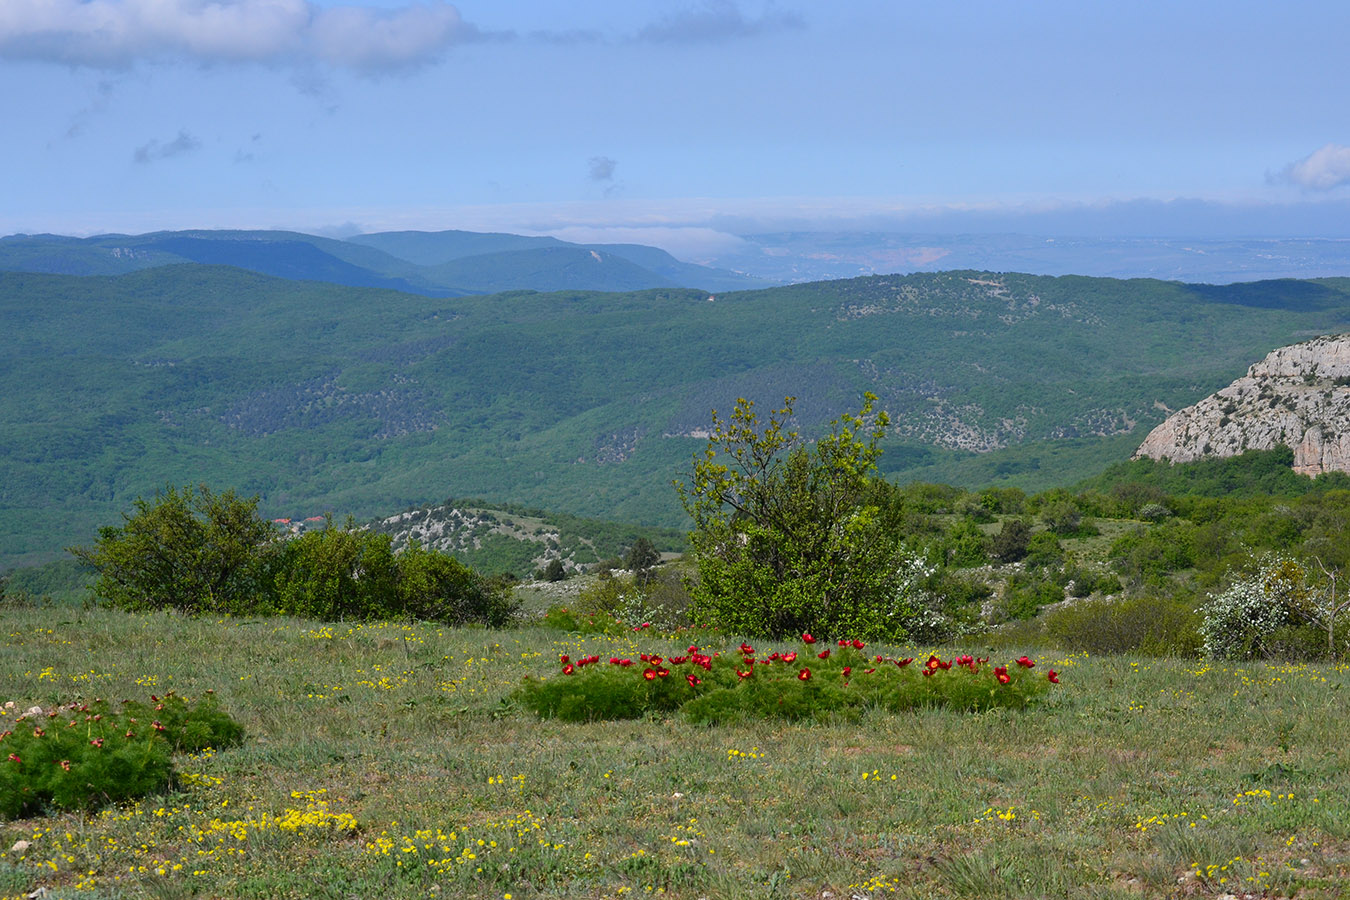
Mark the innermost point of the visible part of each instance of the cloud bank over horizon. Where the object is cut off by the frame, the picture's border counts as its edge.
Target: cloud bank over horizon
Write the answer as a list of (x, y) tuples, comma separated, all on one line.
[(116, 34)]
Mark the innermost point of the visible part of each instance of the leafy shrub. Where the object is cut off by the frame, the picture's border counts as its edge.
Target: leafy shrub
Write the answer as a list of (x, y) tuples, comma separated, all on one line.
[(554, 572), (833, 682), (564, 619), (1012, 541), (966, 545), (338, 573), (1148, 625), (1023, 597), (437, 587), (85, 755), (1043, 550), (189, 550), (1240, 621), (785, 533)]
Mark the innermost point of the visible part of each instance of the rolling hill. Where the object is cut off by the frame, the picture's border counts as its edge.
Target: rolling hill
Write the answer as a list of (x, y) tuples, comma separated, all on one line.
[(361, 400)]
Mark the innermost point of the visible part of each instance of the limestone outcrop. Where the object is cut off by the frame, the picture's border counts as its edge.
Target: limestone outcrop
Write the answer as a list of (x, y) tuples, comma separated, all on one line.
[(1298, 396)]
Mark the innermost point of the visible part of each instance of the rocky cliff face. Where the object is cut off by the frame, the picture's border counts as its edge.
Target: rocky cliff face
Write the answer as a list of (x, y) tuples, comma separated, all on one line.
[(1298, 396)]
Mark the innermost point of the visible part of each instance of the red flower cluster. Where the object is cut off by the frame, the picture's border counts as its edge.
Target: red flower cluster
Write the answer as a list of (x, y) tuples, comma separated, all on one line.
[(1025, 662)]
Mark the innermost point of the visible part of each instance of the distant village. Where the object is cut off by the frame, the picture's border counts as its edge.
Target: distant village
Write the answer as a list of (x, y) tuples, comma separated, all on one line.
[(298, 526)]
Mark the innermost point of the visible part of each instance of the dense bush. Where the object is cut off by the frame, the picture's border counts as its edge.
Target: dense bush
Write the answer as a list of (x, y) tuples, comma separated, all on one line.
[(1012, 542), (86, 755), (198, 552), (1148, 625), (189, 550)]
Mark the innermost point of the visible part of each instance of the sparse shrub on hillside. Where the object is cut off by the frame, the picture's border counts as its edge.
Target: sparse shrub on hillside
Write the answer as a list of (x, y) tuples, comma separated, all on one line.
[(1147, 624), (554, 572)]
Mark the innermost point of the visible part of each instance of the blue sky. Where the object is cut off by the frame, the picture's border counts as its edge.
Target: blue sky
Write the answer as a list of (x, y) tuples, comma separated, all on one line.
[(674, 122)]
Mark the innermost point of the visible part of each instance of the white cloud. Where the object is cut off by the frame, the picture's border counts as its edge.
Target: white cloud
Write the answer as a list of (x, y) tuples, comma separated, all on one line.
[(715, 20), (118, 33), (1322, 170)]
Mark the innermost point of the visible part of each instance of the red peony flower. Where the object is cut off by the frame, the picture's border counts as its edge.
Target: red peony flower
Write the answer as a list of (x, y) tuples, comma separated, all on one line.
[(65, 764), (847, 669), (693, 650), (869, 671), (928, 672), (613, 660), (662, 673), (933, 663), (1025, 662), (568, 669), (1003, 678), (564, 659), (747, 649), (38, 732), (807, 639), (1053, 676), (790, 657), (97, 742), (625, 662), (155, 724), (649, 674), (657, 660), (745, 674), (843, 642), (693, 679), (824, 654), (804, 675), (14, 757), (857, 644)]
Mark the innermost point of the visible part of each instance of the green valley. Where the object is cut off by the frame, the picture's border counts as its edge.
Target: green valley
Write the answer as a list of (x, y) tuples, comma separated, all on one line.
[(360, 400)]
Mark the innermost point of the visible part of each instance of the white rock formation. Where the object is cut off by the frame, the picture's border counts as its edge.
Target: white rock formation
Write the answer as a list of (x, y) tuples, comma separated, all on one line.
[(1298, 396)]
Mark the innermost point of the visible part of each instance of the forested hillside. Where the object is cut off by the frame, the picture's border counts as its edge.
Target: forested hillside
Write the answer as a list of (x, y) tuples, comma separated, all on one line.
[(357, 400)]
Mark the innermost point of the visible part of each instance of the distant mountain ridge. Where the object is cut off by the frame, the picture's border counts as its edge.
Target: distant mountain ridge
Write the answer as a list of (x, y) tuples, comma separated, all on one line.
[(1297, 397), (436, 264)]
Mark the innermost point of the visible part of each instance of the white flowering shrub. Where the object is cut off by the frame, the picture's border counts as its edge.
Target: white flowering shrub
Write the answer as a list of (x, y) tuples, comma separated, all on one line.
[(913, 610), (1239, 622)]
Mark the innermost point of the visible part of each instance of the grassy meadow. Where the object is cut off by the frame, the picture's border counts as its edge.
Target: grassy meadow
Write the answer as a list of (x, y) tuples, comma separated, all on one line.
[(386, 760)]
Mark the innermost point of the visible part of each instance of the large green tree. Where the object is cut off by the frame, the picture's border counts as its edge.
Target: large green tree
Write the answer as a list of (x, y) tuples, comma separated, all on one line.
[(784, 539)]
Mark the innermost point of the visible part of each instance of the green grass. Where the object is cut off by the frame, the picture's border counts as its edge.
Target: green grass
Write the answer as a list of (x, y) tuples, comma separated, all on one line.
[(369, 746)]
